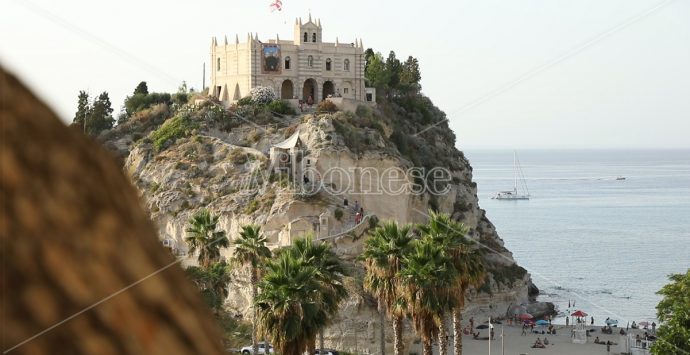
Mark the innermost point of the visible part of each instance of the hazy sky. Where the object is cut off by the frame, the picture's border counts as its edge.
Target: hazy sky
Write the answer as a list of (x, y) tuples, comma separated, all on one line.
[(509, 74)]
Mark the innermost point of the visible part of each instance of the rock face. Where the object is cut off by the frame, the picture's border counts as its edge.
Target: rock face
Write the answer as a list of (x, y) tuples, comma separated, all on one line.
[(301, 189)]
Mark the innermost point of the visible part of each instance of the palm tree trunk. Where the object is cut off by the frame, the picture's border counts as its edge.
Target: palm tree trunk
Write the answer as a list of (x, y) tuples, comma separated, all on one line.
[(457, 331), (426, 346), (443, 335), (311, 347), (382, 321), (255, 344), (321, 340), (397, 335)]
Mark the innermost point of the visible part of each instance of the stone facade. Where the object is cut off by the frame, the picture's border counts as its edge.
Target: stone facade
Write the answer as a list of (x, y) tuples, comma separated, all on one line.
[(296, 69)]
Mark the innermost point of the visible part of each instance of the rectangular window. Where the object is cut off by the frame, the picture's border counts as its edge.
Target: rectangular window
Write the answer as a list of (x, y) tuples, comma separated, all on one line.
[(345, 90)]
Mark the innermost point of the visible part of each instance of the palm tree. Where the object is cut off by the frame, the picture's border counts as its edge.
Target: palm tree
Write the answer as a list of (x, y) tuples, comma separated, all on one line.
[(468, 265), (330, 274), (383, 253), (426, 274), (289, 303), (203, 237), (251, 251), (213, 283)]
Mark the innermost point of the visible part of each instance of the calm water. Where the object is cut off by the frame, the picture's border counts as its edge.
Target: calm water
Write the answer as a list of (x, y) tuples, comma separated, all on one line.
[(583, 235)]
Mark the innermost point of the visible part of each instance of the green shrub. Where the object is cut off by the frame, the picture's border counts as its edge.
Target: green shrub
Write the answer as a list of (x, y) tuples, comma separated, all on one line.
[(140, 101), (281, 107), (180, 98), (338, 214), (245, 101), (507, 275), (173, 129), (326, 106), (254, 136), (363, 111), (373, 222), (252, 206), (237, 156)]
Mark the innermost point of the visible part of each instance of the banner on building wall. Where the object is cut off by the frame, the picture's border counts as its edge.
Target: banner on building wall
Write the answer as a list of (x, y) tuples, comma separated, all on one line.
[(270, 59)]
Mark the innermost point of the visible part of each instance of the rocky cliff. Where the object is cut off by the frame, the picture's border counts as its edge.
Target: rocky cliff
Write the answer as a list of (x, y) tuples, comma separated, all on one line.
[(292, 175)]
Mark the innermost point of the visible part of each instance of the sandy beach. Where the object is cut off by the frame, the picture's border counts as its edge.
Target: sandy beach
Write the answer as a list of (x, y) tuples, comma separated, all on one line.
[(561, 344)]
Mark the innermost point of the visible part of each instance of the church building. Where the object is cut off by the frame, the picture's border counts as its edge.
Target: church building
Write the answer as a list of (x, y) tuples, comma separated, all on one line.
[(302, 67)]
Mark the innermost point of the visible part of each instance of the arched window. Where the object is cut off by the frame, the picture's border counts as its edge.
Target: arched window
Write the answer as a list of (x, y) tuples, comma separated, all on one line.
[(218, 64), (346, 65), (310, 61), (313, 37), (328, 63), (287, 62), (306, 37)]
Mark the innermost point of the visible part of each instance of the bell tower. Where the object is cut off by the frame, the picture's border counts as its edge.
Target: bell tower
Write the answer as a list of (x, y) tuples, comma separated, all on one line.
[(309, 32)]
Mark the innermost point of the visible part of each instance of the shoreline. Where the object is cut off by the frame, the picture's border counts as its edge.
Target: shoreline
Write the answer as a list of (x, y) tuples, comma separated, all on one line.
[(561, 343)]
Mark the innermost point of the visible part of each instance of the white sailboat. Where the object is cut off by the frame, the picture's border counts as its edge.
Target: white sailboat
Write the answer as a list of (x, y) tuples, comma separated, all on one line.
[(515, 194)]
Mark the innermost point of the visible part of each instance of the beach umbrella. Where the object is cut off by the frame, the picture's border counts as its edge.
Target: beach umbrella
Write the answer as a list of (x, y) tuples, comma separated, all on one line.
[(579, 314), (542, 322), (525, 316)]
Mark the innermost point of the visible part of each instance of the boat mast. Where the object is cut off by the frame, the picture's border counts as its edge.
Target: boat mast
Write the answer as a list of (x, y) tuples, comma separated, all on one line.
[(515, 172)]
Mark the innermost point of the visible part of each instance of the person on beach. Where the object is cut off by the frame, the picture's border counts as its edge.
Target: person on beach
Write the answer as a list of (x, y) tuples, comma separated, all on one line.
[(538, 344), (524, 329), (492, 333), (546, 341), (596, 340), (593, 320), (654, 327), (472, 323), (567, 321)]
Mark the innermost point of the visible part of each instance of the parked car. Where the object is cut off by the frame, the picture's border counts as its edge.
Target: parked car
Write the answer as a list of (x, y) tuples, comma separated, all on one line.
[(262, 349), (325, 352)]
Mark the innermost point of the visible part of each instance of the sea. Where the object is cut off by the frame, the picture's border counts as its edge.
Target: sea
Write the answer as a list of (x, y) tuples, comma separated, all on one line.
[(592, 242)]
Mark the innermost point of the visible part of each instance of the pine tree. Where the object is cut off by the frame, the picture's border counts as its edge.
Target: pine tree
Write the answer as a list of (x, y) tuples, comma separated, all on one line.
[(394, 67), (142, 88), (101, 116), (410, 75), (83, 109)]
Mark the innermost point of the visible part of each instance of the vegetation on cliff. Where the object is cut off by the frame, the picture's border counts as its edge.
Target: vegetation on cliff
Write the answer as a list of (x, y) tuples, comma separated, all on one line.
[(191, 153)]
